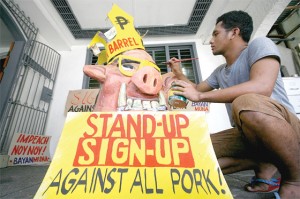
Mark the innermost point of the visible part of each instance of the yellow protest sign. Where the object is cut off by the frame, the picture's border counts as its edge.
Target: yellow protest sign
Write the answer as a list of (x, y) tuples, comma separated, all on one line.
[(134, 155)]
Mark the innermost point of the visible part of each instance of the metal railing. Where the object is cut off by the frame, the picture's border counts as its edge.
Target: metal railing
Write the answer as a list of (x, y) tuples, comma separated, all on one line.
[(28, 105), (29, 99), (27, 27)]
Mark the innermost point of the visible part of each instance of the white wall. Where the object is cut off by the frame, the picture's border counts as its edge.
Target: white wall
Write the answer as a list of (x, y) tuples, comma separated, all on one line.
[(69, 77), (217, 117), (287, 59)]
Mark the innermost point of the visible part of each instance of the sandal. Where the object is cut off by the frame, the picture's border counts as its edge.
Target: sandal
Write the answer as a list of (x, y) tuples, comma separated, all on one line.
[(273, 184), (276, 194)]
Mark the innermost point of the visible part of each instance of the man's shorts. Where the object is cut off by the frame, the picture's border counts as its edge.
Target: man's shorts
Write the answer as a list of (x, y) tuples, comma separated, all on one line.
[(231, 142)]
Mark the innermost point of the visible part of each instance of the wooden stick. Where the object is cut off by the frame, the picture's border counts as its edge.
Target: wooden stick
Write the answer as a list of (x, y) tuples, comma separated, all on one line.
[(180, 60)]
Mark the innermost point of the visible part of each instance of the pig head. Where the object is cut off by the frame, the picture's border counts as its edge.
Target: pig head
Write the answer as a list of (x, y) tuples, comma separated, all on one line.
[(141, 91)]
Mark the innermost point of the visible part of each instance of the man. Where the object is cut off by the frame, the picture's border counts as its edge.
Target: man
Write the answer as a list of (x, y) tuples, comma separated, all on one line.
[(266, 130)]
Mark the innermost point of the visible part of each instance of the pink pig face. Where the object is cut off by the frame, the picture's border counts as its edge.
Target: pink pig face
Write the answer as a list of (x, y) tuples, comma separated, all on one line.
[(131, 82)]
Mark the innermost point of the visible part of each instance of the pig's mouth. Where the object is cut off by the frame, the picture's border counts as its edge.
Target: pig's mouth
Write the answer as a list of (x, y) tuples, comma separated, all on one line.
[(126, 103)]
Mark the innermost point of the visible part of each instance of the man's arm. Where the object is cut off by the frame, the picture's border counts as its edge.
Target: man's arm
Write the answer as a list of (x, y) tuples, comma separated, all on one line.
[(263, 76), (204, 87), (173, 63), (176, 69)]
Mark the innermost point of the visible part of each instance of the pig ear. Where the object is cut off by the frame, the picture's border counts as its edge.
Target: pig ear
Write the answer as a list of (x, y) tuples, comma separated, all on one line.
[(96, 72)]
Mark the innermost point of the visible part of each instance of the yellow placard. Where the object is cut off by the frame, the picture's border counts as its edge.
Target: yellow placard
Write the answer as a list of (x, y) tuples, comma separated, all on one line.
[(134, 155)]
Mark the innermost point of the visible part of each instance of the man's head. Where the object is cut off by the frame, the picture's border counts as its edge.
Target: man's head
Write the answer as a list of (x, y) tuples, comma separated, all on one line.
[(233, 29), (237, 19)]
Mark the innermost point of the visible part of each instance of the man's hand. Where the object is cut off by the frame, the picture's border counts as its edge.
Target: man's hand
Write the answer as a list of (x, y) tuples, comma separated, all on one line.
[(174, 64), (187, 90)]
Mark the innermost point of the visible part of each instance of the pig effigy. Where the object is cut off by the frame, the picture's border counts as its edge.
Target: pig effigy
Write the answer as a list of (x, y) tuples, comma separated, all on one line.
[(130, 79)]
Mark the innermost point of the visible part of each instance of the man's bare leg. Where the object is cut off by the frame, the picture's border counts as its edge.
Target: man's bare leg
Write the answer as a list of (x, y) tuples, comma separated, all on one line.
[(229, 146), (264, 171), (232, 165), (275, 138)]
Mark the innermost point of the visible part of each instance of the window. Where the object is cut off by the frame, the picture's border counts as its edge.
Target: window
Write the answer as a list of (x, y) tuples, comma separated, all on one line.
[(162, 53), (92, 82)]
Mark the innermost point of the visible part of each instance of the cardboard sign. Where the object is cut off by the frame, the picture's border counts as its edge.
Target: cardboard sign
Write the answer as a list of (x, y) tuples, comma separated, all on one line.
[(29, 149), (192, 106), (134, 155), (81, 100)]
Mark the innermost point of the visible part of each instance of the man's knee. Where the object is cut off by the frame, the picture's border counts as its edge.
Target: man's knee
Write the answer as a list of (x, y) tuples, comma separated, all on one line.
[(247, 99), (228, 143), (243, 103)]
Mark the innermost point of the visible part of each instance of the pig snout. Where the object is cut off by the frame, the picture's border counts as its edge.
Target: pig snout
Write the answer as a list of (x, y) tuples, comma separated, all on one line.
[(148, 80)]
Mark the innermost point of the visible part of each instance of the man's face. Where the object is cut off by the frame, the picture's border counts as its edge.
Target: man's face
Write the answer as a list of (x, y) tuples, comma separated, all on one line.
[(220, 39)]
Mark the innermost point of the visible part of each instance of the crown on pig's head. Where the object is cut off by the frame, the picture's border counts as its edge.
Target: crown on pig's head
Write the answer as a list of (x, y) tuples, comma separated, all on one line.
[(122, 37)]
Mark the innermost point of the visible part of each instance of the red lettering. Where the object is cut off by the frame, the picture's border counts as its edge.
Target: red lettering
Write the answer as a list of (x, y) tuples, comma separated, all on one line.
[(116, 47), (34, 150), (135, 42), (169, 133), (18, 150), (85, 154), (130, 41), (83, 100), (34, 139), (105, 122), (117, 128), (20, 136), (111, 49), (46, 140), (88, 98), (74, 101), (31, 138), (179, 126), (15, 151), (149, 122), (125, 42), (92, 125), (40, 159), (133, 140), (150, 152), (201, 108), (24, 139), (120, 44), (91, 98), (134, 124)]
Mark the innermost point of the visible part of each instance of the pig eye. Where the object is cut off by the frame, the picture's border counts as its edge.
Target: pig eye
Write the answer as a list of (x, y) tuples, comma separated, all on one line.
[(130, 64)]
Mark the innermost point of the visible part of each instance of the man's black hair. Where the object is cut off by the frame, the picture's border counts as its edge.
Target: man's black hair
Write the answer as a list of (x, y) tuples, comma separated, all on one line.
[(238, 19)]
